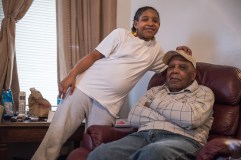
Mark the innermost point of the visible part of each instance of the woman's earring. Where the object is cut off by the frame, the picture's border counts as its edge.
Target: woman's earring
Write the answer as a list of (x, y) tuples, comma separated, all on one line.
[(134, 34)]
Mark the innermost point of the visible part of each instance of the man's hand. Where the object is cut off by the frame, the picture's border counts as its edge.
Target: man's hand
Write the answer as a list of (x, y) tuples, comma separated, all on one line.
[(185, 48)]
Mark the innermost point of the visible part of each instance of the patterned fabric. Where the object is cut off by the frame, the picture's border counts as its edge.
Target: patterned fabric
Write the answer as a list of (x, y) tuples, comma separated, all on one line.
[(187, 112)]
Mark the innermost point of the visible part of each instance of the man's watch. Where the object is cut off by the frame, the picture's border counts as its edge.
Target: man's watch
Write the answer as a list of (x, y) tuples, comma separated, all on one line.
[(148, 103)]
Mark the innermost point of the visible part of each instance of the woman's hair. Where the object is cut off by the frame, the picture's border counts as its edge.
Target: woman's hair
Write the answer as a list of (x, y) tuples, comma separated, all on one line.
[(138, 14)]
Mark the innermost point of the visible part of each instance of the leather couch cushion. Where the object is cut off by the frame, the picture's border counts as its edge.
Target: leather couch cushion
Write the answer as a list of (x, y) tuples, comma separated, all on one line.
[(226, 119), (216, 78), (99, 134)]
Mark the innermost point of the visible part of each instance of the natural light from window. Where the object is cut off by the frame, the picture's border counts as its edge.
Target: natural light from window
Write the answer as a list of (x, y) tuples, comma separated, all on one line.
[(36, 50)]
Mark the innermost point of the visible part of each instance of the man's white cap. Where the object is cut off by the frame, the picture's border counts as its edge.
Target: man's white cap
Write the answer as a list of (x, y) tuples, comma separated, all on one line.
[(167, 57)]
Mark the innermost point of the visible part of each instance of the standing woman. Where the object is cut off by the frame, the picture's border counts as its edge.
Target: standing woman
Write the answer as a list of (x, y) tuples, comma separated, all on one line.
[(100, 81)]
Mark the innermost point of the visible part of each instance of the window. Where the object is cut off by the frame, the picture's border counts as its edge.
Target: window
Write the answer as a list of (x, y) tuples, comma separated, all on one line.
[(36, 50), (1, 13)]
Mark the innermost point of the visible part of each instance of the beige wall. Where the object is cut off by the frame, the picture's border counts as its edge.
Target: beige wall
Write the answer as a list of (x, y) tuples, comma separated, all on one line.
[(123, 13), (212, 29)]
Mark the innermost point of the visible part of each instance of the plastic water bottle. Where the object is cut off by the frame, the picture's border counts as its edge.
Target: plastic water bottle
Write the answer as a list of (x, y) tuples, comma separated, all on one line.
[(59, 99), (7, 101)]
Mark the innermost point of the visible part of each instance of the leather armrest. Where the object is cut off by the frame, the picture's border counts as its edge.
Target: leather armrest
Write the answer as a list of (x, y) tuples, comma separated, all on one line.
[(78, 154), (96, 135), (220, 147), (103, 134)]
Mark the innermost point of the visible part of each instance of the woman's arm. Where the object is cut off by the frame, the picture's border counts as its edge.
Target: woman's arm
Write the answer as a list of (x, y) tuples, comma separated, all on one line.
[(80, 67)]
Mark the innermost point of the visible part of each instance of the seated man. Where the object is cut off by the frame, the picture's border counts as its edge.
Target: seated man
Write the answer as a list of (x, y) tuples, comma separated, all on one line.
[(173, 120)]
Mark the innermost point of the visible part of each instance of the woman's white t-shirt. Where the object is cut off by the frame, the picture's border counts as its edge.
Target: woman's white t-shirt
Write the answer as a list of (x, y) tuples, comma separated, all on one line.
[(127, 59)]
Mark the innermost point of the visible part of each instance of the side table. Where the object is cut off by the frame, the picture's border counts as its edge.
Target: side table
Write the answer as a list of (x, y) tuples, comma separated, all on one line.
[(11, 132)]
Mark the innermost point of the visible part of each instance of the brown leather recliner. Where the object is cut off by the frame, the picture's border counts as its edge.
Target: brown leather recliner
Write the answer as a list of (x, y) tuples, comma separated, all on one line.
[(225, 136)]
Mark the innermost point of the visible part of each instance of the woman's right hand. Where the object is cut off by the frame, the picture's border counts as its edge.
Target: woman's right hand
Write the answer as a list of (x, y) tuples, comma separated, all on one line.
[(67, 83), (185, 48)]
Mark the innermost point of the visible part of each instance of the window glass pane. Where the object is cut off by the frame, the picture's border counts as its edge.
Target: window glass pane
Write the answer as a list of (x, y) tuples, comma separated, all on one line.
[(1, 13), (36, 50)]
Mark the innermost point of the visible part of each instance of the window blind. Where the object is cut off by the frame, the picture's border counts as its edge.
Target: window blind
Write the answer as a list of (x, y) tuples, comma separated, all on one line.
[(36, 51), (1, 13)]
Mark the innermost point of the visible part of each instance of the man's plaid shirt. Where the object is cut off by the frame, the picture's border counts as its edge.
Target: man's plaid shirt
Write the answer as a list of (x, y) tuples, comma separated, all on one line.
[(188, 112)]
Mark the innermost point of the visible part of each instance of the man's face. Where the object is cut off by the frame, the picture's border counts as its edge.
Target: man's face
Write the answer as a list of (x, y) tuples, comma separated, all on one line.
[(180, 74)]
